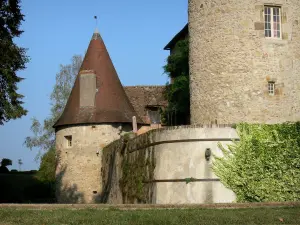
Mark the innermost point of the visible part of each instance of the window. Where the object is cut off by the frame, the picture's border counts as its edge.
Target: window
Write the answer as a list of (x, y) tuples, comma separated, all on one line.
[(154, 115), (271, 88), (272, 22), (69, 141)]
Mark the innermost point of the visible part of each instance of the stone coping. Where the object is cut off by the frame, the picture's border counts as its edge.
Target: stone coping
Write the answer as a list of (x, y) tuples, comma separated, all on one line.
[(198, 126), (179, 134), (187, 127)]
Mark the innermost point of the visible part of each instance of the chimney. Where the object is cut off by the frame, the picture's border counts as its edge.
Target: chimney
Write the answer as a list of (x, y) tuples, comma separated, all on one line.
[(87, 88)]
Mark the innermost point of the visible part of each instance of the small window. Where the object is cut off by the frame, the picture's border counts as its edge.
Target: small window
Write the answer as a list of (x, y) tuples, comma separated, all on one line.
[(154, 115), (68, 141), (271, 88), (272, 22)]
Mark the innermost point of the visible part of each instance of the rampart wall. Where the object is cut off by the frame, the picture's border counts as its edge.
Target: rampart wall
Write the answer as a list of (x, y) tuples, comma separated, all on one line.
[(165, 166)]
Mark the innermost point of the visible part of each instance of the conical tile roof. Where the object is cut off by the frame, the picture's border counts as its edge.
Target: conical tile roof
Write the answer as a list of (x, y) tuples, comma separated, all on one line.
[(111, 104)]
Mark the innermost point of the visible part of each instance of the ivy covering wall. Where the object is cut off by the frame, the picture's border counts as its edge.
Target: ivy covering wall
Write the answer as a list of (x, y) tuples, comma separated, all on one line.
[(137, 171), (127, 175), (264, 165)]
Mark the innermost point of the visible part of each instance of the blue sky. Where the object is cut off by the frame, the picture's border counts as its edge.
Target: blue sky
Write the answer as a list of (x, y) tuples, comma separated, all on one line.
[(134, 31)]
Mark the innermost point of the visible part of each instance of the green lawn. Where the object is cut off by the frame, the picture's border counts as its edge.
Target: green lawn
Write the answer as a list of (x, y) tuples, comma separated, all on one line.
[(163, 216)]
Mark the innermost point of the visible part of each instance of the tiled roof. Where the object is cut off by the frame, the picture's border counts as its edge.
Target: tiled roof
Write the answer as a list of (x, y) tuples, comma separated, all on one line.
[(142, 97), (111, 102)]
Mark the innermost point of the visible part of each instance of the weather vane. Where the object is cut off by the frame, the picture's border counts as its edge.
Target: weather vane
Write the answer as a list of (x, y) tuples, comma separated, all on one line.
[(95, 17)]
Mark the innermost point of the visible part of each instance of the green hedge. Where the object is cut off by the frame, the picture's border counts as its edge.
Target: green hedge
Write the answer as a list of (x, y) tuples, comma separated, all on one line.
[(25, 187), (264, 165)]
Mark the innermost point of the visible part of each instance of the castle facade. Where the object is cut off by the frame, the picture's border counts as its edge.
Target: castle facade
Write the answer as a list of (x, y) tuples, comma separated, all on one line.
[(244, 67)]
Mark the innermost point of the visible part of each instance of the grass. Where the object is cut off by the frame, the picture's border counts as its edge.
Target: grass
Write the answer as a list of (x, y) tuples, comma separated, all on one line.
[(160, 217)]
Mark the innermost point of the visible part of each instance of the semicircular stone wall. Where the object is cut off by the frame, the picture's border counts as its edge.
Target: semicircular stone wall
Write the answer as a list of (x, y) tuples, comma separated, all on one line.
[(181, 175)]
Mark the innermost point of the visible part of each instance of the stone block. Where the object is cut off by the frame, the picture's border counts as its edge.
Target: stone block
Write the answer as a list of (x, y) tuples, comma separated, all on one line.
[(259, 26)]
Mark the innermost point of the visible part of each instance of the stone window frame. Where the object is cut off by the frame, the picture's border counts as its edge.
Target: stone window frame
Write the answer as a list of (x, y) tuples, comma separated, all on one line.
[(69, 141), (272, 33), (271, 88)]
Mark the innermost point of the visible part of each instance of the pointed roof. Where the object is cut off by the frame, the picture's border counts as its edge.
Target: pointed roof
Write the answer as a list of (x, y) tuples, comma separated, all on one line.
[(179, 36), (111, 102)]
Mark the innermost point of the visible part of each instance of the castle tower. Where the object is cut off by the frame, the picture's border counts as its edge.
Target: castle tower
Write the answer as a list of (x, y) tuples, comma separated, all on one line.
[(97, 112), (244, 61)]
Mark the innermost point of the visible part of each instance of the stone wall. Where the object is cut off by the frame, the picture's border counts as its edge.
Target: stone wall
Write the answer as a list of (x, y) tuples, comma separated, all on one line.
[(231, 62), (78, 167), (157, 167), (111, 172)]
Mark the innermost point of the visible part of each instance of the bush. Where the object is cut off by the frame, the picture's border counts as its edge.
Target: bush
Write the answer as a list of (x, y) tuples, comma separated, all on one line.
[(30, 186), (264, 165), (46, 172), (24, 187)]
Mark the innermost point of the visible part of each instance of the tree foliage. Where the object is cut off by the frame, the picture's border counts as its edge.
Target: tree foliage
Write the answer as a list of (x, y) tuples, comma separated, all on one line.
[(46, 172), (44, 134), (6, 162), (13, 59), (264, 165), (178, 92)]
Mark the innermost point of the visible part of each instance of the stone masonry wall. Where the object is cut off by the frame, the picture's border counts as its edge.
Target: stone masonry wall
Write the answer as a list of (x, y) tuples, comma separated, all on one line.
[(111, 172), (231, 62), (150, 164), (123, 173), (78, 167)]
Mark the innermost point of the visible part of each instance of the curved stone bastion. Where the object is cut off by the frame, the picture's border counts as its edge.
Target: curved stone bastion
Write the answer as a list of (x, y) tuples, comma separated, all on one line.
[(166, 166)]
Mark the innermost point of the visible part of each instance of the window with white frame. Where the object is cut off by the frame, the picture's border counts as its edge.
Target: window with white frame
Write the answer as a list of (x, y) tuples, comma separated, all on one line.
[(271, 88), (272, 22)]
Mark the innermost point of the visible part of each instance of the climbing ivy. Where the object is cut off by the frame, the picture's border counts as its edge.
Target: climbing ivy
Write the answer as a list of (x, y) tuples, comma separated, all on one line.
[(264, 165), (137, 174), (189, 180), (177, 93)]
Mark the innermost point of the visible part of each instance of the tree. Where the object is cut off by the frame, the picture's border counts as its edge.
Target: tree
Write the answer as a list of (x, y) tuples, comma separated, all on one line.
[(44, 135), (13, 59), (264, 166), (20, 163), (46, 172), (178, 92), (4, 163)]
